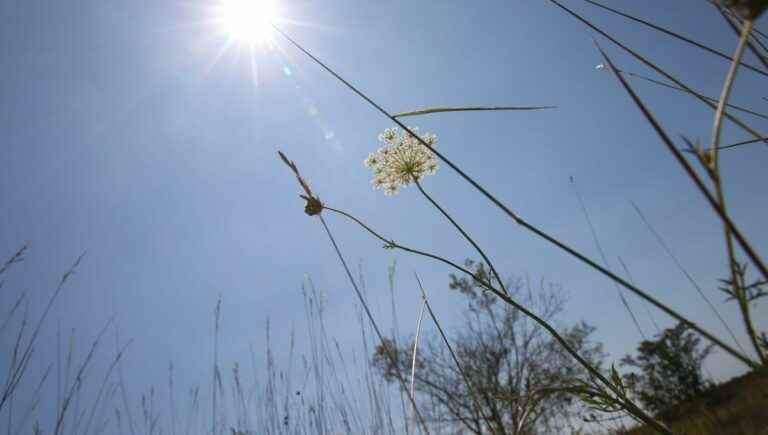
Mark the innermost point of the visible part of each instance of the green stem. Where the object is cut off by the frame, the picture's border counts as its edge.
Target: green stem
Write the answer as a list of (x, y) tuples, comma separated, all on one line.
[(742, 241), (738, 285), (463, 233), (689, 170), (386, 348), (626, 403)]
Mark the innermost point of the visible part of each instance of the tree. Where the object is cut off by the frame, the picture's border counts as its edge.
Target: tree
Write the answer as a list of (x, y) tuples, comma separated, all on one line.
[(670, 368), (513, 366)]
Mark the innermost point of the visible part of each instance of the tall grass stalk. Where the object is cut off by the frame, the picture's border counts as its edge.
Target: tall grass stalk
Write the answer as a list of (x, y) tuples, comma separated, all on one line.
[(738, 290), (657, 68), (461, 230), (677, 36), (470, 388), (123, 391), (77, 383), (711, 99), (315, 207), (687, 275), (416, 349), (312, 209), (533, 229), (419, 417), (732, 20), (689, 170), (21, 361), (743, 242), (104, 386), (625, 402), (600, 250), (215, 374)]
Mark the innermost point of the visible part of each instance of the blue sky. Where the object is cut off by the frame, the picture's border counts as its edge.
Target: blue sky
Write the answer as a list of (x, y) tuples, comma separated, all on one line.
[(126, 134)]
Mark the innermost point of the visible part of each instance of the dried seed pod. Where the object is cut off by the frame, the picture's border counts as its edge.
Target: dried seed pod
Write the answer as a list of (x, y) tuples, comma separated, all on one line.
[(314, 206), (707, 156), (747, 9)]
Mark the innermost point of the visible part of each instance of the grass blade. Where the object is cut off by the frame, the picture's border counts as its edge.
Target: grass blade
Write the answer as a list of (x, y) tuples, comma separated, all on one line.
[(677, 88), (675, 35), (656, 68), (707, 194), (431, 110)]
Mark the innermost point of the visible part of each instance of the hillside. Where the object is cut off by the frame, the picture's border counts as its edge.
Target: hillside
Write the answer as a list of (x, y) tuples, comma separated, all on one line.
[(735, 407)]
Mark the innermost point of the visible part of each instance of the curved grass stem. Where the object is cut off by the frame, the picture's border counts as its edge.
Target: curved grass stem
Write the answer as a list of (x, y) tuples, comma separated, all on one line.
[(463, 374), (733, 265), (463, 233), (368, 313), (675, 35), (712, 100), (512, 215), (656, 68), (743, 242), (626, 403), (725, 95)]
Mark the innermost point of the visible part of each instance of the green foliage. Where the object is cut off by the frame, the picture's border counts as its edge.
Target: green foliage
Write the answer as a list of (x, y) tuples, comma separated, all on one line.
[(670, 368)]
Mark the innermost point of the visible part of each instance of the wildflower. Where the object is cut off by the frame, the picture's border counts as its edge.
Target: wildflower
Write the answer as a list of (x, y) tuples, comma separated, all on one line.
[(402, 160)]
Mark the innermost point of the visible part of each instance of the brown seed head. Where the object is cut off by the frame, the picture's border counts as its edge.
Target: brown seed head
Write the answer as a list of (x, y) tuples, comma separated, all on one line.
[(747, 9)]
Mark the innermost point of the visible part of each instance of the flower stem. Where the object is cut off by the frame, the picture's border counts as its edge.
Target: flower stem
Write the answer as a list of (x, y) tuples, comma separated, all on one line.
[(625, 402), (733, 265), (512, 215), (390, 355), (463, 233)]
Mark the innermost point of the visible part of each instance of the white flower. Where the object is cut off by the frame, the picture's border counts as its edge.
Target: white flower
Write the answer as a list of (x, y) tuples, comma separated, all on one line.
[(600, 66), (401, 160)]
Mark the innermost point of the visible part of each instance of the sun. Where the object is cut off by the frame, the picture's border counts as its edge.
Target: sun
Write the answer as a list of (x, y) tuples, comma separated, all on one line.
[(247, 21)]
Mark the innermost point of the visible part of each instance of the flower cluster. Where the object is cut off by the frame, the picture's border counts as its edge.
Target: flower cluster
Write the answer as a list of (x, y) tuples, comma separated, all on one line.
[(402, 160)]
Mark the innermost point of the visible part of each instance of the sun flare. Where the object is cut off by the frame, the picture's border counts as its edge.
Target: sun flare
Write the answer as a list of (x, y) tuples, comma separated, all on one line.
[(247, 21)]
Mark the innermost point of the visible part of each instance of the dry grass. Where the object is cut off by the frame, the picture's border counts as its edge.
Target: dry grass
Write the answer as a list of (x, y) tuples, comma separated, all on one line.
[(735, 407)]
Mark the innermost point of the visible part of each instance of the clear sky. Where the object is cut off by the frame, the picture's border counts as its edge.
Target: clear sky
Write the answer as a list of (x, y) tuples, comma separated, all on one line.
[(128, 132)]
